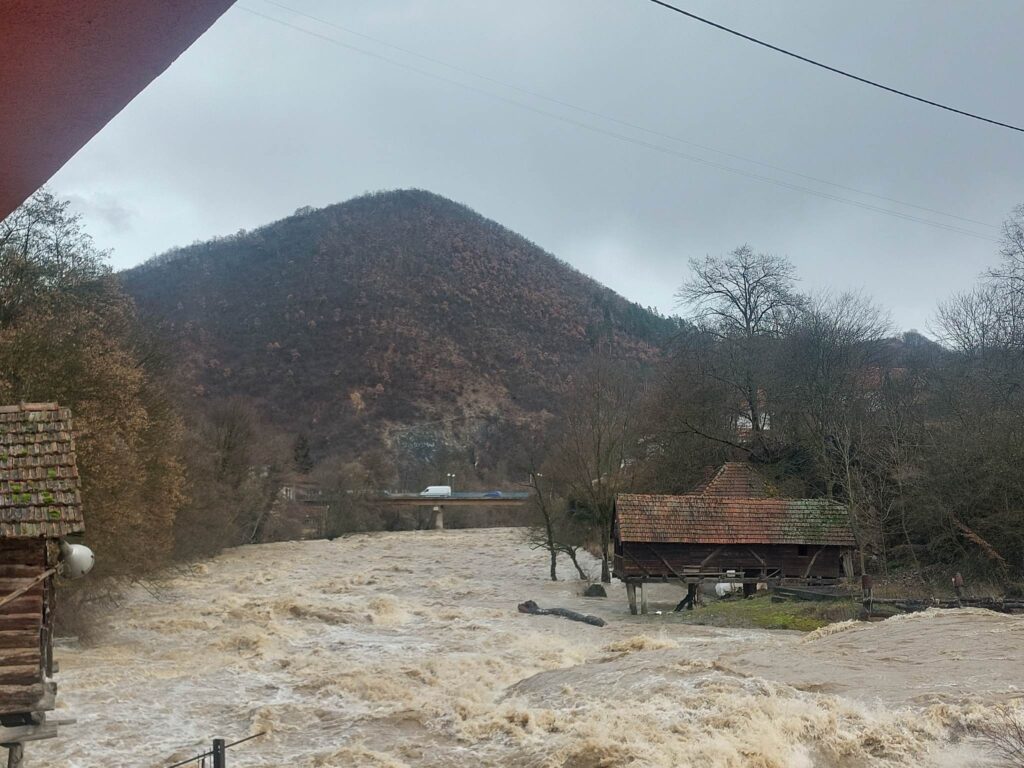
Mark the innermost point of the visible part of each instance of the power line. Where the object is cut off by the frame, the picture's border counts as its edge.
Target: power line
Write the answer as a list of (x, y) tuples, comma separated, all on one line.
[(618, 121), (835, 70), (624, 137)]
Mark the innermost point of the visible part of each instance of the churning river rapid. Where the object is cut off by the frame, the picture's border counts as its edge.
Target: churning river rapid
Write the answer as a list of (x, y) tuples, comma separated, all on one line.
[(406, 649)]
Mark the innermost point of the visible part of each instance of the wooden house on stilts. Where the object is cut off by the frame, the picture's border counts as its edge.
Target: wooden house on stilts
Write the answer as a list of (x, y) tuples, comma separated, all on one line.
[(732, 528), (39, 506)]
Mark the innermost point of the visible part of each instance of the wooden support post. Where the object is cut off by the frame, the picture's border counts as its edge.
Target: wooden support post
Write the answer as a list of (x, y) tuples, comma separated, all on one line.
[(847, 558), (219, 754), (15, 755), (439, 518), (749, 587), (631, 596), (643, 599), (867, 586), (807, 570), (692, 596), (711, 557)]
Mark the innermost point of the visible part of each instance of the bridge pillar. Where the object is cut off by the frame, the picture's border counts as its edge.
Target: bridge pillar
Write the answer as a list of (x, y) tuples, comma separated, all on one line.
[(439, 518)]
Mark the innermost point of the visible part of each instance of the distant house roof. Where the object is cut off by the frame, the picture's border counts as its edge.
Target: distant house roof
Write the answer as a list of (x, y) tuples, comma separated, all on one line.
[(39, 487), (732, 480), (733, 507)]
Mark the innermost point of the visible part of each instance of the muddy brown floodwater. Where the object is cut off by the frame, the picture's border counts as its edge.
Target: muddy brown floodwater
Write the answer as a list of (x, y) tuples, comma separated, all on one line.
[(405, 649)]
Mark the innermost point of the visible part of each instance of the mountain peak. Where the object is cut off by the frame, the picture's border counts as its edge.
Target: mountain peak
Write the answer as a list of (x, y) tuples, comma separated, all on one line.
[(393, 307)]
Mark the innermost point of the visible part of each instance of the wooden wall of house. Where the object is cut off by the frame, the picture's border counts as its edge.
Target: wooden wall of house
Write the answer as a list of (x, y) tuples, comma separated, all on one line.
[(636, 559), (25, 626)]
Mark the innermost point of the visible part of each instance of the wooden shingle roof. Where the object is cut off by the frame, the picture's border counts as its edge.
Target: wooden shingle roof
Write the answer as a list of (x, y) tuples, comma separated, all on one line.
[(39, 486), (734, 480), (733, 507), (695, 519)]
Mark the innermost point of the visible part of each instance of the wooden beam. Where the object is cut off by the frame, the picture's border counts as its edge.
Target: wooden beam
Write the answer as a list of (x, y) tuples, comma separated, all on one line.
[(30, 603), (16, 755), (15, 699), (664, 562), (712, 556), (19, 656), (18, 638), (638, 563), (847, 560), (21, 733), (25, 588), (33, 621), (27, 674), (807, 570), (17, 571)]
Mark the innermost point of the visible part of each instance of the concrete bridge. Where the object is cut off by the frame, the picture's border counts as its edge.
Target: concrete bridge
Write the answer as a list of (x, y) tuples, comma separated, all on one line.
[(457, 499)]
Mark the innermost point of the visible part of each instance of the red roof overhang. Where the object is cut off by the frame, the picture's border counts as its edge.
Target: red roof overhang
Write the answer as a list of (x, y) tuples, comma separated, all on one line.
[(66, 68)]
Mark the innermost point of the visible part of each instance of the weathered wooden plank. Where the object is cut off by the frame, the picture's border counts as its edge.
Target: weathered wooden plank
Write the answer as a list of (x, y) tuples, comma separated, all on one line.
[(24, 621), (9, 569), (39, 581), (21, 675), (19, 656), (22, 733), (21, 698), (10, 597), (18, 638), (25, 552), (30, 602), (7, 586)]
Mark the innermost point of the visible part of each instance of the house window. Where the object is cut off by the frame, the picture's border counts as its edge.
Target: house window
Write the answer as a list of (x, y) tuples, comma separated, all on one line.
[(803, 550)]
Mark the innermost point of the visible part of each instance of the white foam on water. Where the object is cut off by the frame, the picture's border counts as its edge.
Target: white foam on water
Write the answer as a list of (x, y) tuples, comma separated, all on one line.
[(404, 650)]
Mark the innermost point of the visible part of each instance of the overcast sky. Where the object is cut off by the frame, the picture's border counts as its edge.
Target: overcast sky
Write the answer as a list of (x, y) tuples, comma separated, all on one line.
[(257, 119)]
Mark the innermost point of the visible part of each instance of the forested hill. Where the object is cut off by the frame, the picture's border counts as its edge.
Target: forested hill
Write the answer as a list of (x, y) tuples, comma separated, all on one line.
[(396, 307)]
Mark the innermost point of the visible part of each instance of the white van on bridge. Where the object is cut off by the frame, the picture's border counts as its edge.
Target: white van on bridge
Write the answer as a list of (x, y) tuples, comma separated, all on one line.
[(437, 491)]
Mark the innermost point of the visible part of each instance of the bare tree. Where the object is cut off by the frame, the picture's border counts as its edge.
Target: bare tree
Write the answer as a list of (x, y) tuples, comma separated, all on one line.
[(743, 299), (743, 294), (595, 456), (1004, 732), (834, 370)]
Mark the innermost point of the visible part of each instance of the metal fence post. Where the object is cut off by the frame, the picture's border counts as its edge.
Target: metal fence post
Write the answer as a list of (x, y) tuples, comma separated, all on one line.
[(219, 754)]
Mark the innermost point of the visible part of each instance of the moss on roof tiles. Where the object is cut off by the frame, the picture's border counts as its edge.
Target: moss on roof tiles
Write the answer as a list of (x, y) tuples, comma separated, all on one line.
[(37, 443), (716, 513)]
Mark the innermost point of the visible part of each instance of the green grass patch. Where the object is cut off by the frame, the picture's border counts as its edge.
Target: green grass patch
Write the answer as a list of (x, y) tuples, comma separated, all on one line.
[(761, 612)]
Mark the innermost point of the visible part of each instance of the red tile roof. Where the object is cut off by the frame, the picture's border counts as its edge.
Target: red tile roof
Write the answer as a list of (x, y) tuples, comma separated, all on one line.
[(39, 488), (732, 508)]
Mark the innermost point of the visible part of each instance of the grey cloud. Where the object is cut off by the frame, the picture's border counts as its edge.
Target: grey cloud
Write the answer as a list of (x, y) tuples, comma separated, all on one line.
[(256, 120)]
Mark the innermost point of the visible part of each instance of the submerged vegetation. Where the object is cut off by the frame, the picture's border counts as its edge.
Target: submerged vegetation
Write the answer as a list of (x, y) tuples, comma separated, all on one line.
[(763, 612)]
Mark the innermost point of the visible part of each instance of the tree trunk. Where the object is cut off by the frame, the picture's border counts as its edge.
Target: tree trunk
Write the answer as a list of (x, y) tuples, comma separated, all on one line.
[(606, 574), (571, 552), (552, 548)]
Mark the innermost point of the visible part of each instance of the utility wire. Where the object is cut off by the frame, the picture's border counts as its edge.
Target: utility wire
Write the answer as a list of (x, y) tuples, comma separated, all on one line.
[(618, 121), (835, 70), (624, 137)]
